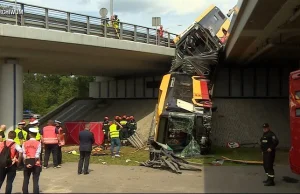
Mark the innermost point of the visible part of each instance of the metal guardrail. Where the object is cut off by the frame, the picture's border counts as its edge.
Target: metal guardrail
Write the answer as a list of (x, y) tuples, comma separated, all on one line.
[(41, 17)]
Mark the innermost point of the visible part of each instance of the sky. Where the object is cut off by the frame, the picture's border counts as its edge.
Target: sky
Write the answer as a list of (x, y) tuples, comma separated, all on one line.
[(176, 15)]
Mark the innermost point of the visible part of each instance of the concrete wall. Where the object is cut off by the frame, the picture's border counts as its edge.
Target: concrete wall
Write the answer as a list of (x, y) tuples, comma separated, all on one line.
[(138, 87), (252, 82)]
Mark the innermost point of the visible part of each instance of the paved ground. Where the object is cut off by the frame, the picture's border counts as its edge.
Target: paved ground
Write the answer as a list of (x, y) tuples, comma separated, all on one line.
[(103, 178)]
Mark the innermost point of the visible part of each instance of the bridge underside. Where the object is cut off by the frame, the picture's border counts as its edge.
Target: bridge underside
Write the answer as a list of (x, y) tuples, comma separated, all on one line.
[(61, 58), (265, 32)]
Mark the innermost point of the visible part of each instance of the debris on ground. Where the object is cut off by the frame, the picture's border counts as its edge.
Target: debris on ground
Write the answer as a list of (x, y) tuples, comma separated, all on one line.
[(289, 179), (128, 160), (217, 162), (98, 151), (239, 145), (243, 161), (162, 157), (73, 152), (104, 163)]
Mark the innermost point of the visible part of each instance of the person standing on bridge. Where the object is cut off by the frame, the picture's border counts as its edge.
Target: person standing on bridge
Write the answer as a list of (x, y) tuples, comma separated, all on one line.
[(114, 136), (269, 142), (50, 141), (86, 139), (31, 155), (61, 141)]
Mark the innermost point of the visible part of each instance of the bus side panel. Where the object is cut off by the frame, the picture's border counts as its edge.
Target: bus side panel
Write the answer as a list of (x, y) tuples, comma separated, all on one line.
[(295, 121)]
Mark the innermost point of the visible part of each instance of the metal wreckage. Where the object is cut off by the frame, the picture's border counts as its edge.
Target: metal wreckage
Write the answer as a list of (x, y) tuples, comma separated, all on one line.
[(183, 119)]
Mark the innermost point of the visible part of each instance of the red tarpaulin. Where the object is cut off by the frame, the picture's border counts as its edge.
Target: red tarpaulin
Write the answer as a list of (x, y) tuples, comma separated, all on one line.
[(73, 129)]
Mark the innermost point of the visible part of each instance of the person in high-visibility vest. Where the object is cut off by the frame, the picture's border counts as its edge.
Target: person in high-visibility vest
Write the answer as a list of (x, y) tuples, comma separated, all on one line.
[(31, 155), (116, 22), (2, 133), (21, 134), (50, 140), (115, 137)]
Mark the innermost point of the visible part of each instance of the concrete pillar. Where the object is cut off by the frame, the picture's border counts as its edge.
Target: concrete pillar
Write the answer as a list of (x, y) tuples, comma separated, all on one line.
[(95, 87), (11, 94)]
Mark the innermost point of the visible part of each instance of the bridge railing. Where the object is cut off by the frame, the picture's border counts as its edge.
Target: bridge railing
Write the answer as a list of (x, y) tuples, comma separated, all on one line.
[(41, 17)]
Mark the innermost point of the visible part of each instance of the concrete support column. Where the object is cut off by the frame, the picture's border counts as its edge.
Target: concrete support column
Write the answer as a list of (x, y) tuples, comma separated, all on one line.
[(11, 94), (95, 87)]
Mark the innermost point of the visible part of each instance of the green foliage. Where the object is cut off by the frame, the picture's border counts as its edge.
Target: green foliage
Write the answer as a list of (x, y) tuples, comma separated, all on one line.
[(43, 93)]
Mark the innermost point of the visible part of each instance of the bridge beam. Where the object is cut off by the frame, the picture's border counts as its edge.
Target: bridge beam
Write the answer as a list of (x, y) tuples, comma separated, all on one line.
[(11, 93), (94, 87), (279, 19)]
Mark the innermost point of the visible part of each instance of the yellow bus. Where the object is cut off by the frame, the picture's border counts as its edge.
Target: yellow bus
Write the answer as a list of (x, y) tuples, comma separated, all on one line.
[(212, 19)]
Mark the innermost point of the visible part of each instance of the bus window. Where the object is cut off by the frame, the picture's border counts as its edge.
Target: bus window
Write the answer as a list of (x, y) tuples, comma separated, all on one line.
[(221, 15), (297, 95), (297, 112)]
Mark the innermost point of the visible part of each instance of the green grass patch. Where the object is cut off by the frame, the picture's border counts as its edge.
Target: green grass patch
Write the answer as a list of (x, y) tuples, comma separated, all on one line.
[(252, 154)]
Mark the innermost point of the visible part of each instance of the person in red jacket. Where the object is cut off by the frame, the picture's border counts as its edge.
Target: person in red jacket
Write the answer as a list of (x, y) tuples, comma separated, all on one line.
[(11, 171), (50, 140), (31, 154), (61, 141)]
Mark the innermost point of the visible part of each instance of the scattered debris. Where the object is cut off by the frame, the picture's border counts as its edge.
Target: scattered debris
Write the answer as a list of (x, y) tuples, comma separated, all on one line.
[(238, 145), (128, 160), (161, 156), (289, 179), (217, 162), (136, 141), (104, 163), (73, 152), (243, 161)]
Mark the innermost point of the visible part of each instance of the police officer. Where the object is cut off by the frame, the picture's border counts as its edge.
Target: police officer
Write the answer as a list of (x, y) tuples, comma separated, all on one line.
[(269, 143), (105, 130), (21, 137)]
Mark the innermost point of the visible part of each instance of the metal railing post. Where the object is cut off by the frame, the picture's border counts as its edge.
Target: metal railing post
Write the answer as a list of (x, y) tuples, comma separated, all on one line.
[(87, 25), (147, 35), (69, 21), (169, 40), (121, 31), (47, 18), (135, 34), (158, 40), (105, 28), (22, 16)]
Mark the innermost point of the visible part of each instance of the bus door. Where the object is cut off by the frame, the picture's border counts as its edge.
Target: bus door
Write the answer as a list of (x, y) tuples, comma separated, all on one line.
[(295, 121)]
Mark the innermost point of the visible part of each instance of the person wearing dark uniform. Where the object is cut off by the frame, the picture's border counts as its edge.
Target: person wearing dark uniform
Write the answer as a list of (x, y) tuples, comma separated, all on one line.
[(105, 130), (269, 142), (124, 130), (131, 126)]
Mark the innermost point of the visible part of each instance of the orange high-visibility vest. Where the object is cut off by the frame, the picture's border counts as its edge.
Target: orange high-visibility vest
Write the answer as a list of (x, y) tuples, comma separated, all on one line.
[(31, 147), (49, 135)]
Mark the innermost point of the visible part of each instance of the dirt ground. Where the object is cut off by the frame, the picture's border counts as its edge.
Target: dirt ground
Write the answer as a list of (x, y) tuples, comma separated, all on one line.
[(135, 179)]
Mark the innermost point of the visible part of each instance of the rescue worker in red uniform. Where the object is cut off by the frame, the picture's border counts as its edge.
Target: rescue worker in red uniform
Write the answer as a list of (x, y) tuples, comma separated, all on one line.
[(50, 140), (61, 141), (31, 154), (105, 130), (10, 171)]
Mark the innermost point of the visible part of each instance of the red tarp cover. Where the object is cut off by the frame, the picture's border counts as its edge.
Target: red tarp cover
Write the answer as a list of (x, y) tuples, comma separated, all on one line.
[(73, 129)]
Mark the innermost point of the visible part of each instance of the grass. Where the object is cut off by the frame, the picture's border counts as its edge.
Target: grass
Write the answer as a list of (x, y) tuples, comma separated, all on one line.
[(143, 155)]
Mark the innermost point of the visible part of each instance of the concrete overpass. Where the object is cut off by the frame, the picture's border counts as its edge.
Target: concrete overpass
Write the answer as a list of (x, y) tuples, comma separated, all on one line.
[(43, 40), (265, 32)]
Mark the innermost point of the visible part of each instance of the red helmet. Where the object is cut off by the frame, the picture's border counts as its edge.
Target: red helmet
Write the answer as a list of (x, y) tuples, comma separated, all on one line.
[(124, 117), (128, 118), (105, 118), (131, 117), (116, 117)]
